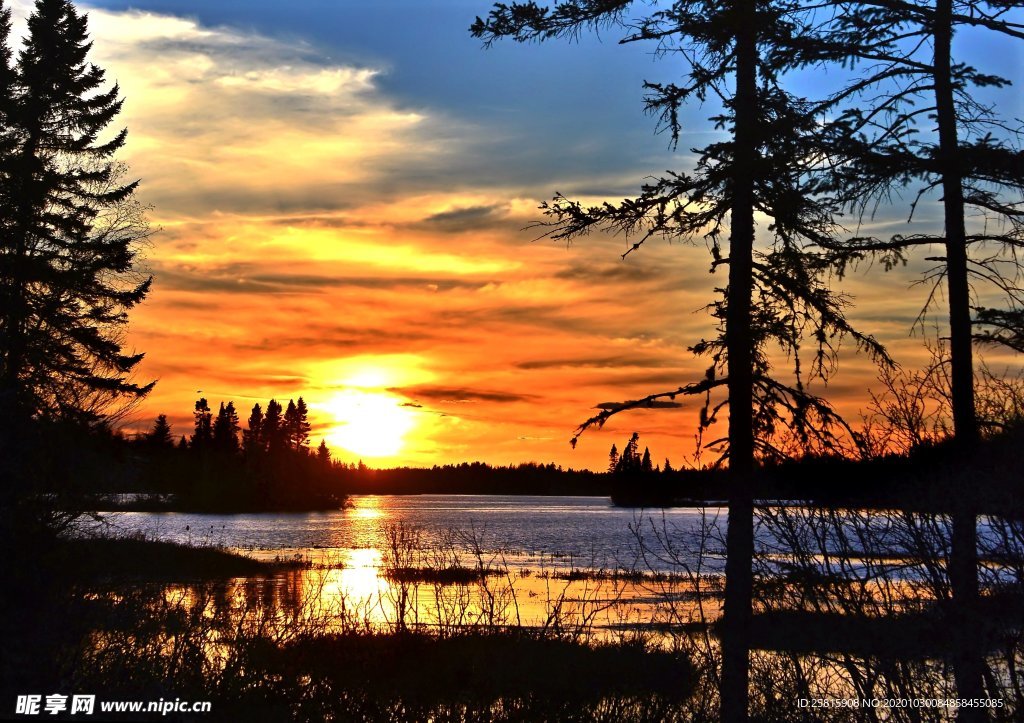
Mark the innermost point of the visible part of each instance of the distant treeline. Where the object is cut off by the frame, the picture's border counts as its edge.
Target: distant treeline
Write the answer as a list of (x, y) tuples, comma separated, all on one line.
[(270, 466), (476, 478), (220, 466), (637, 481), (929, 478)]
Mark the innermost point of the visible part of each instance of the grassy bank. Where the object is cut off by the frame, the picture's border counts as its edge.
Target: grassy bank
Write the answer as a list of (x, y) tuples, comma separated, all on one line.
[(128, 559)]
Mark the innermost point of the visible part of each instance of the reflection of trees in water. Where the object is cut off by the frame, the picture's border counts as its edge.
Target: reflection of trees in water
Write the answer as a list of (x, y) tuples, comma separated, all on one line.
[(854, 604)]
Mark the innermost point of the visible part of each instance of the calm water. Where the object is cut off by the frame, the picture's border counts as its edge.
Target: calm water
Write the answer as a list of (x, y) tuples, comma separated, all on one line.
[(530, 537), (527, 536), (585, 532)]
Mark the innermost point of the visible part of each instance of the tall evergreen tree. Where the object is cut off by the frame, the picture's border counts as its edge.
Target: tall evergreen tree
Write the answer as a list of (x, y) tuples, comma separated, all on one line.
[(291, 423), (302, 427), (646, 466), (8, 86), (70, 228), (296, 425), (274, 432), (923, 127), (225, 429), (202, 436), (629, 461), (613, 458), (323, 454), (160, 435), (252, 438)]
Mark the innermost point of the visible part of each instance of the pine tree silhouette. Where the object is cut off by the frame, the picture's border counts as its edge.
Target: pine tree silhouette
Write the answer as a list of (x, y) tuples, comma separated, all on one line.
[(160, 435), (71, 228), (202, 436), (253, 441)]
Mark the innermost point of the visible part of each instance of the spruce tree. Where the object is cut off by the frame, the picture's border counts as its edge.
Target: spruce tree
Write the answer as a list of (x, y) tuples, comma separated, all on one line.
[(160, 435), (646, 466), (274, 432), (202, 435), (629, 462), (252, 438), (291, 424), (302, 426), (225, 429), (323, 454), (71, 228), (924, 128), (8, 86)]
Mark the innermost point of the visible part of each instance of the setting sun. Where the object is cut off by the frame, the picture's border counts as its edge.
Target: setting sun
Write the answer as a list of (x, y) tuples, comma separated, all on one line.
[(368, 423)]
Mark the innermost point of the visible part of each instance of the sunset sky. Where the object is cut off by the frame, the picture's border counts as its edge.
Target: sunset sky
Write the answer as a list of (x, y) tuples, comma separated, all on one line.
[(341, 188)]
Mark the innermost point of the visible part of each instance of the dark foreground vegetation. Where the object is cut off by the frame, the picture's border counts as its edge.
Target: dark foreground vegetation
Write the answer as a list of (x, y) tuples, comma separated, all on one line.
[(848, 604), (157, 621), (128, 559)]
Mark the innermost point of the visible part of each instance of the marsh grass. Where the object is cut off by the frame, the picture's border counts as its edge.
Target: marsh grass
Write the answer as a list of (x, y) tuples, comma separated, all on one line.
[(445, 576), (269, 647), (141, 558), (836, 618)]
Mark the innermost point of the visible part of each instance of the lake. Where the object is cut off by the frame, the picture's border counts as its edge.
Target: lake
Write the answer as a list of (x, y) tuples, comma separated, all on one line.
[(549, 558), (559, 532), (550, 555)]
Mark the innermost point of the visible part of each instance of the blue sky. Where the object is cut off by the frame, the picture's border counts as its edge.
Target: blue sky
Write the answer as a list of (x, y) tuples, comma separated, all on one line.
[(575, 105), (555, 102)]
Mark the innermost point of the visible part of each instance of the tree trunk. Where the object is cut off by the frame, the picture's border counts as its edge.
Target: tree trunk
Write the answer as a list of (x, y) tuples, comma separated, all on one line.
[(964, 422), (739, 349), (963, 561)]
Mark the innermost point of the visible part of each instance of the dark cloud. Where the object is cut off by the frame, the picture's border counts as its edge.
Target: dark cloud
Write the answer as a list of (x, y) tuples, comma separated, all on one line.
[(542, 318), (661, 274), (203, 197), (324, 218), (460, 395), (471, 218), (609, 362), (652, 382), (621, 271), (611, 191), (351, 339), (211, 379), (656, 404), (248, 279)]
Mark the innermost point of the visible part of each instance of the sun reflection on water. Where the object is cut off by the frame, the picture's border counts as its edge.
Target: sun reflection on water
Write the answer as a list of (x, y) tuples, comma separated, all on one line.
[(367, 507), (360, 578)]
